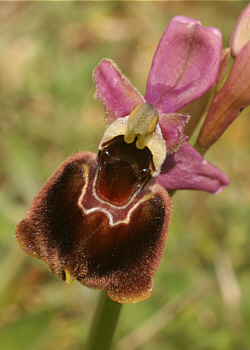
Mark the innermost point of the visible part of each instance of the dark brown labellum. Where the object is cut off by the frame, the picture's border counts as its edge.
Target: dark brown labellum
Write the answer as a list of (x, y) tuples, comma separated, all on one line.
[(101, 220)]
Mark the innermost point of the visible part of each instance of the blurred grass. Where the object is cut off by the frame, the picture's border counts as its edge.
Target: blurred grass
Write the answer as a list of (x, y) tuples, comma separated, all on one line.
[(48, 52)]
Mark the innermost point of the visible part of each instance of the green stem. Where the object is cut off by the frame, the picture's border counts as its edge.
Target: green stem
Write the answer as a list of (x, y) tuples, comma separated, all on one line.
[(103, 324)]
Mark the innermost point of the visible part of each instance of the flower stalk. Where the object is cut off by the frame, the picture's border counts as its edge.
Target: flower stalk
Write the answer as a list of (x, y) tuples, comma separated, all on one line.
[(103, 324)]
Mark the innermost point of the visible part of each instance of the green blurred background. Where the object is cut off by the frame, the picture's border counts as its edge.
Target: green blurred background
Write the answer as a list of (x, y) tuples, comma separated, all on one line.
[(201, 297)]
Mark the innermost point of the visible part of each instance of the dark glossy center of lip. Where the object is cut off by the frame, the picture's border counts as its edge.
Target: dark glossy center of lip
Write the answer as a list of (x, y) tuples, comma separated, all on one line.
[(122, 171)]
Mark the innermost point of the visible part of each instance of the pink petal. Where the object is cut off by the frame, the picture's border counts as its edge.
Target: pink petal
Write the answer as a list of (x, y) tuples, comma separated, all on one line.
[(115, 92), (228, 103), (185, 64), (172, 125), (187, 169)]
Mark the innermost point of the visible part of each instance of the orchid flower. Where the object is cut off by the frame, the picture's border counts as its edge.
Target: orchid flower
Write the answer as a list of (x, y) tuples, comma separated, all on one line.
[(103, 219)]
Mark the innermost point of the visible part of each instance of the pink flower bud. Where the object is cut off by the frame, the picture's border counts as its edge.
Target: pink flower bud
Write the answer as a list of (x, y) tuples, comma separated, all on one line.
[(241, 32)]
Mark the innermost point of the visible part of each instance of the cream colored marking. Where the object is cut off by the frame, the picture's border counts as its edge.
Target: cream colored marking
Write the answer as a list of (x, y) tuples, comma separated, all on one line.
[(86, 177), (86, 173), (69, 278), (142, 122), (112, 205), (105, 211)]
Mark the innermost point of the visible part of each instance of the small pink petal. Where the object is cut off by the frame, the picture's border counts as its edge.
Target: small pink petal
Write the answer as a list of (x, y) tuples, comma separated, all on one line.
[(230, 100), (172, 125), (187, 169), (115, 92), (185, 64)]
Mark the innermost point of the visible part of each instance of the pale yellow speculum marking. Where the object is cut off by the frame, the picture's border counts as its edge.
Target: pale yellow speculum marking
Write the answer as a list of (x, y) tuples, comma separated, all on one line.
[(69, 278), (142, 122)]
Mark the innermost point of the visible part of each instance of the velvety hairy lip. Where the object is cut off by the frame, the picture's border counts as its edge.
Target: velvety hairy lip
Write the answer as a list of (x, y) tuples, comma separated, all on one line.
[(120, 259)]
